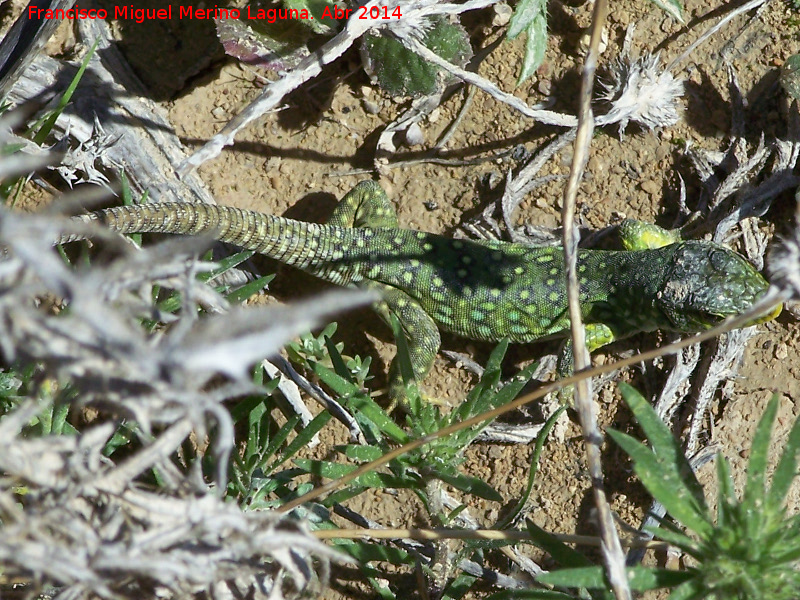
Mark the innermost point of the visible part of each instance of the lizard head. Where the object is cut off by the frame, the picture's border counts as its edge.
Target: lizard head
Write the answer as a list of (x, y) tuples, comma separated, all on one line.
[(706, 283)]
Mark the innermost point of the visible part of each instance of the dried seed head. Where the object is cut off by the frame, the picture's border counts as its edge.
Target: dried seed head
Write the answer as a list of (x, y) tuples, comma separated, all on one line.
[(638, 91)]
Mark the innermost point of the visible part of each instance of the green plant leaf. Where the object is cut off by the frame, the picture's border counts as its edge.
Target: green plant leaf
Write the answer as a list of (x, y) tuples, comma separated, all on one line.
[(755, 487), (786, 470), (672, 7), (642, 579), (316, 8), (377, 583), (303, 438), (361, 453), (344, 495), (342, 387), (366, 410), (561, 553), (277, 440), (458, 587), (337, 361), (368, 551), (469, 485), (45, 126), (329, 470), (663, 483), (537, 453), (530, 17), (577, 577), (663, 442), (726, 494), (523, 16), (531, 594), (249, 289), (535, 47), (692, 589), (665, 448), (639, 578), (675, 537), (400, 72)]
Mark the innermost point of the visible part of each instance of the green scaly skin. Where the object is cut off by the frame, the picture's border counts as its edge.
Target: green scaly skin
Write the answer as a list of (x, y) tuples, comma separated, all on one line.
[(482, 290)]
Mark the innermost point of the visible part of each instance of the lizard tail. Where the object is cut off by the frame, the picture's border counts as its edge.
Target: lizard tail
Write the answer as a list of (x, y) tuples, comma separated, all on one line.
[(295, 243)]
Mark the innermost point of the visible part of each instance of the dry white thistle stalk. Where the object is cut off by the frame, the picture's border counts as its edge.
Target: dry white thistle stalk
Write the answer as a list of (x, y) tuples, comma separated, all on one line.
[(80, 524)]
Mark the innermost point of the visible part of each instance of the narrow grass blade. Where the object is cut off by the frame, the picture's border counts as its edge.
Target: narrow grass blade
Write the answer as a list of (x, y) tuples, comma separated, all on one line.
[(302, 439), (249, 289), (277, 440), (561, 553), (537, 453), (459, 587), (49, 121), (337, 361)]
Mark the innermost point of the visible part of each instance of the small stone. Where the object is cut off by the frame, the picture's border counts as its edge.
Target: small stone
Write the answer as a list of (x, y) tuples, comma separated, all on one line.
[(544, 87), (369, 106), (650, 187), (596, 165), (586, 39), (502, 14), (414, 135)]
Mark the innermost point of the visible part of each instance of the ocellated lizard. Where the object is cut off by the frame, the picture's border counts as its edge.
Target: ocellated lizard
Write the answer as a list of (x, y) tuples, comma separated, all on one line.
[(483, 290)]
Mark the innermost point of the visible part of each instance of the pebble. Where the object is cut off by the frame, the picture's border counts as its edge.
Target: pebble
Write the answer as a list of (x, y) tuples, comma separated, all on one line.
[(596, 165), (502, 14), (651, 187), (544, 87), (414, 135)]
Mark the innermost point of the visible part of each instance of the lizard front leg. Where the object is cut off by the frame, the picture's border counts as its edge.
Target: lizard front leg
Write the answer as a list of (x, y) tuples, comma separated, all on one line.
[(638, 235), (597, 335)]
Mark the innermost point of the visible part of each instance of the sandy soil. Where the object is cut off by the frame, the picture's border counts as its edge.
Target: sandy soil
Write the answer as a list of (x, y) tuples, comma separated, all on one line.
[(297, 161)]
